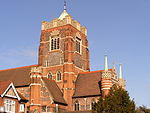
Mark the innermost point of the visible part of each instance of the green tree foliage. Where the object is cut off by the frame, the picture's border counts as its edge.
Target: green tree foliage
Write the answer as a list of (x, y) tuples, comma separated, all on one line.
[(117, 101), (142, 109)]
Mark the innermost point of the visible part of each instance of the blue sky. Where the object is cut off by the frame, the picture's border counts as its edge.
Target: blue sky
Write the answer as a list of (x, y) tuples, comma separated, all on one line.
[(118, 28)]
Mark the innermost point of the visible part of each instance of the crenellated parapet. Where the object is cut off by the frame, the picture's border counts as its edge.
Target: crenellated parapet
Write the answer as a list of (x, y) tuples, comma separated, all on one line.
[(36, 70), (67, 19)]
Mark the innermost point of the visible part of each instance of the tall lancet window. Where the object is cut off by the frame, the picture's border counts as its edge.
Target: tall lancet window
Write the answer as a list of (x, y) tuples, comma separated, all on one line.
[(59, 76), (54, 43), (78, 45)]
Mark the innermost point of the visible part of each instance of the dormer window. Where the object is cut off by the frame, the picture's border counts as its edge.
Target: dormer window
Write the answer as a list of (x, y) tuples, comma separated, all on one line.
[(54, 43), (78, 45)]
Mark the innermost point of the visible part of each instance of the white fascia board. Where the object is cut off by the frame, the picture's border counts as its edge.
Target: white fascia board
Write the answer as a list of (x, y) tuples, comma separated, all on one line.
[(11, 85)]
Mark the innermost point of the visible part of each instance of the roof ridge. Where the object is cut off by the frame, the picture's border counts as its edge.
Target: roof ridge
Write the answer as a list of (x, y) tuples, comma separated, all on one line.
[(93, 71), (19, 67)]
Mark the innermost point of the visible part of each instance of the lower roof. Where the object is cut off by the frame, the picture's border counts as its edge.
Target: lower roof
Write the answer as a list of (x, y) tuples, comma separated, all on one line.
[(55, 91), (19, 76), (88, 84)]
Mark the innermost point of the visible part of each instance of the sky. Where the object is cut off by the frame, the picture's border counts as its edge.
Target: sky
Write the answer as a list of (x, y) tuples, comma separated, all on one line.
[(118, 28)]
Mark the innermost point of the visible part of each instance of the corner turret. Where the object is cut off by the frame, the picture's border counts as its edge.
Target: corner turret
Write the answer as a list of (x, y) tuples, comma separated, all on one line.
[(106, 81), (35, 88)]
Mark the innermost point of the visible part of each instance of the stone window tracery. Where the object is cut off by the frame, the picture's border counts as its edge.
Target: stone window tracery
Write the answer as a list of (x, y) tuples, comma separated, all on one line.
[(54, 43)]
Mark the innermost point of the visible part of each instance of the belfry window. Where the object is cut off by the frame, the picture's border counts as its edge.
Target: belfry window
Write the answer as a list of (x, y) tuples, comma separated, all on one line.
[(77, 106), (59, 76), (49, 75), (78, 45), (54, 44)]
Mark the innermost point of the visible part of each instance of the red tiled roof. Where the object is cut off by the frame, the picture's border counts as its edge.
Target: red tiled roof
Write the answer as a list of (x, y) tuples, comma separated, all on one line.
[(22, 97), (3, 86), (19, 76), (18, 67), (88, 84), (54, 90), (93, 71)]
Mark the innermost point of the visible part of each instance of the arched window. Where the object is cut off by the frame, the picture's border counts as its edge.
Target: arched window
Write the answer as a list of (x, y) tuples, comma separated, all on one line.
[(49, 75), (93, 103), (77, 106), (54, 43), (59, 76)]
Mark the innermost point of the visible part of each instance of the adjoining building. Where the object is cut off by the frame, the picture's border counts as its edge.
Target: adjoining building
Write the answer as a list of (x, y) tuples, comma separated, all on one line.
[(10, 99), (62, 80)]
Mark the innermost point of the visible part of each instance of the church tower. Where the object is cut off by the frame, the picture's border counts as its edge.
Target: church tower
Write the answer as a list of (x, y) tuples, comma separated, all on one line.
[(63, 52)]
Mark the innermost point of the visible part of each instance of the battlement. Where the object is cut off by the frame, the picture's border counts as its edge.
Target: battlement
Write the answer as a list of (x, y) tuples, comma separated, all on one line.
[(61, 22)]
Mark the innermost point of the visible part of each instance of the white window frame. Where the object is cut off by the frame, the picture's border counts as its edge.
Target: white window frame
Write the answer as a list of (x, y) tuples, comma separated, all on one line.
[(22, 108), (9, 105)]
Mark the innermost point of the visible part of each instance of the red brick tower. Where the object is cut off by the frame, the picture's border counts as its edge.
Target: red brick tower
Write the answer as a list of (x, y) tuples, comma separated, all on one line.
[(63, 52)]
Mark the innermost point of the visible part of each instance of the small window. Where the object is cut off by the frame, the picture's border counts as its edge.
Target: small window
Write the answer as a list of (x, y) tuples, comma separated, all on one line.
[(76, 106), (59, 76), (21, 107), (49, 75), (54, 43), (78, 45)]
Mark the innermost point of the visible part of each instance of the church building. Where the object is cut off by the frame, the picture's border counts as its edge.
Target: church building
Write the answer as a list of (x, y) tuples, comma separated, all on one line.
[(61, 82)]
